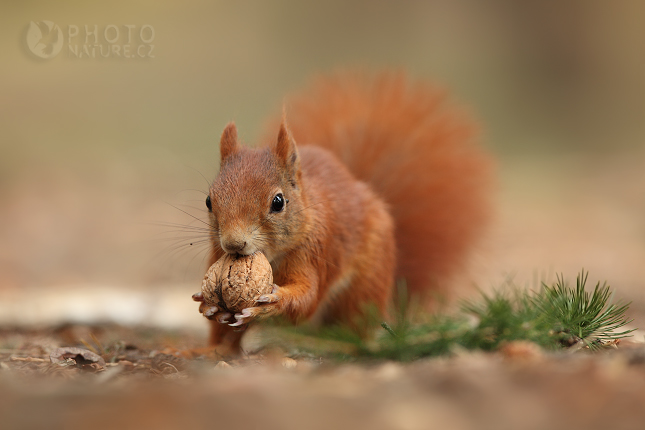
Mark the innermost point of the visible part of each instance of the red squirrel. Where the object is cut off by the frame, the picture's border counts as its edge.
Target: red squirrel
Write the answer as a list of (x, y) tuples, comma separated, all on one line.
[(371, 178)]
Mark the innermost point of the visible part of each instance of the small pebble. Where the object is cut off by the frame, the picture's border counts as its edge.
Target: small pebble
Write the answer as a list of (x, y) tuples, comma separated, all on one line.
[(289, 363), (222, 365)]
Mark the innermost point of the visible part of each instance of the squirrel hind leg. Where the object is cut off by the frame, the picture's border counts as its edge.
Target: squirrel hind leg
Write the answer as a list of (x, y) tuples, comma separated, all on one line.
[(226, 340), (364, 297), (361, 306)]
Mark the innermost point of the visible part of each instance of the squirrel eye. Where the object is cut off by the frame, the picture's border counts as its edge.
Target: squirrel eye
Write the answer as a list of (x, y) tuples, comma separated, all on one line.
[(278, 203), (209, 205)]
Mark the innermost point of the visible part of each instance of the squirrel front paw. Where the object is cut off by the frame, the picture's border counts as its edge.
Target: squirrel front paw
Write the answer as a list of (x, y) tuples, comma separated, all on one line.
[(267, 305), (211, 312)]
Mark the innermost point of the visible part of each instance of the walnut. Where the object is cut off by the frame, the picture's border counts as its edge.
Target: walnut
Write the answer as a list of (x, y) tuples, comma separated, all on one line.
[(234, 282)]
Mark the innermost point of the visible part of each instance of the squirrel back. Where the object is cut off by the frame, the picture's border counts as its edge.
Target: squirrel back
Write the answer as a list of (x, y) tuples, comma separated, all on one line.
[(418, 152)]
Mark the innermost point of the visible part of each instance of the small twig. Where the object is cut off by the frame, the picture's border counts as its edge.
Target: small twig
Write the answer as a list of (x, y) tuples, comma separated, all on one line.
[(98, 343), (165, 363), (88, 346), (30, 359)]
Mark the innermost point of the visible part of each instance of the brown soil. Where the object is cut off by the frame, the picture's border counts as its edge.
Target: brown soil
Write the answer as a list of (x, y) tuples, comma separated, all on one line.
[(143, 387)]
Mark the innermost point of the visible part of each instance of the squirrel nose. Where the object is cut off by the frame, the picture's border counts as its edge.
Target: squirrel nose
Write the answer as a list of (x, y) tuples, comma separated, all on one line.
[(232, 246)]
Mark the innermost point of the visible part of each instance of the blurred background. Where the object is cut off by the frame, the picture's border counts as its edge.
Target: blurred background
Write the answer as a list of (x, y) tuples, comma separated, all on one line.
[(105, 149)]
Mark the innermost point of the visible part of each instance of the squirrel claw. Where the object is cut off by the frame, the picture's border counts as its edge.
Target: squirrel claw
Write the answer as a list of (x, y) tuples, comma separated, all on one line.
[(198, 297), (242, 318), (270, 298), (223, 318), (209, 312)]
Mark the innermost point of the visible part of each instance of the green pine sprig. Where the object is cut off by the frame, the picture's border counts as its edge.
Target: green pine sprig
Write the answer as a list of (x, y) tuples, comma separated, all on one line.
[(588, 316), (554, 317)]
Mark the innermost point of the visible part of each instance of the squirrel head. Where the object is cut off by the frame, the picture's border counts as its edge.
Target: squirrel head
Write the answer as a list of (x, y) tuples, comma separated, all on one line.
[(256, 202)]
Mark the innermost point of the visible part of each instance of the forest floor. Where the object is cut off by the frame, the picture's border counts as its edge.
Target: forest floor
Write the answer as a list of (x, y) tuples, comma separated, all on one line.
[(138, 378)]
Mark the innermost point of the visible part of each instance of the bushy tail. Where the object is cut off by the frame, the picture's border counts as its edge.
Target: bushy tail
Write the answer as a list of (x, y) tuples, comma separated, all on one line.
[(418, 152)]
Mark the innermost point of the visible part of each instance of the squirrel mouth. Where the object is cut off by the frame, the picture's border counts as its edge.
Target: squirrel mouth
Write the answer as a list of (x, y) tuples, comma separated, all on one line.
[(247, 250)]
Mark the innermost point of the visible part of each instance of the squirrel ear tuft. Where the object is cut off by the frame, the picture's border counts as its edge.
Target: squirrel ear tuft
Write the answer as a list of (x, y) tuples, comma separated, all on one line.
[(286, 149), (228, 144)]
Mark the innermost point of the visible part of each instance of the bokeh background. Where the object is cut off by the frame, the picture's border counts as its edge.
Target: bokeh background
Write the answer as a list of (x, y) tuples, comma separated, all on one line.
[(100, 157)]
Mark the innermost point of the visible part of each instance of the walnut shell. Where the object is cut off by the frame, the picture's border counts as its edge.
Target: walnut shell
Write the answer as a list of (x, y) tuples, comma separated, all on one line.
[(233, 282)]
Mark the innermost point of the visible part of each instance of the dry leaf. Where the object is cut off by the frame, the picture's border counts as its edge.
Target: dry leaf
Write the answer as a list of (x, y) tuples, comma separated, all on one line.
[(83, 358)]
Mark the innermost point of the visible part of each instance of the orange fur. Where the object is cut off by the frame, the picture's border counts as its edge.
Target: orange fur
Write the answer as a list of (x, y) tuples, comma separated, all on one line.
[(409, 199), (418, 151)]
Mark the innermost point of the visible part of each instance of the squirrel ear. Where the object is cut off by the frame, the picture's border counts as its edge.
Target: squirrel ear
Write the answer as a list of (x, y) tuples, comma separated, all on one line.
[(228, 144), (286, 150)]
